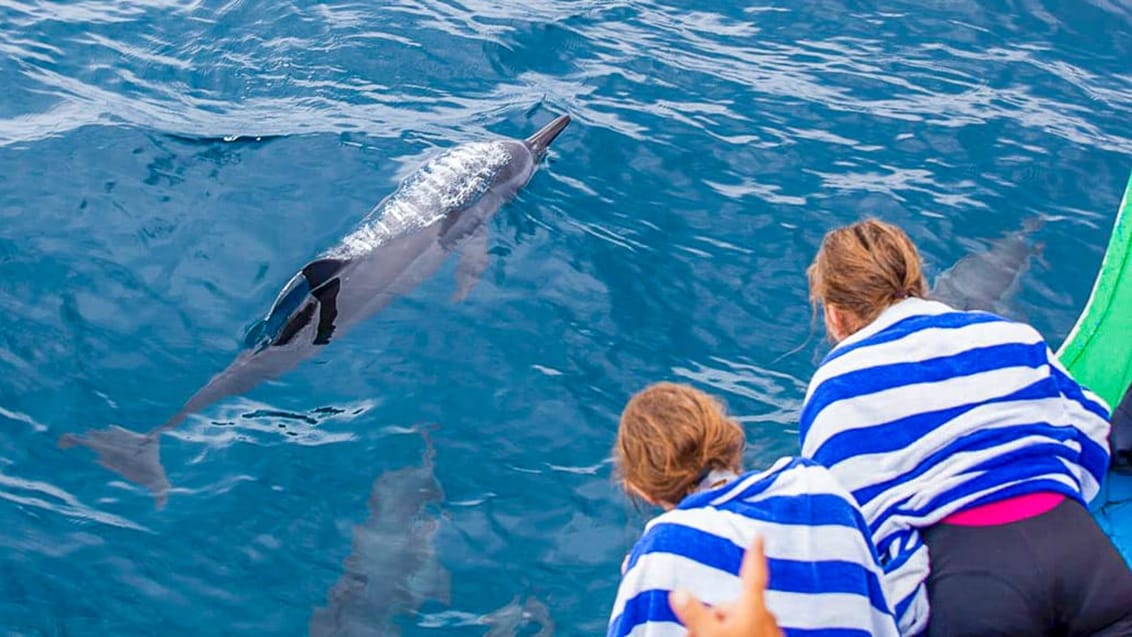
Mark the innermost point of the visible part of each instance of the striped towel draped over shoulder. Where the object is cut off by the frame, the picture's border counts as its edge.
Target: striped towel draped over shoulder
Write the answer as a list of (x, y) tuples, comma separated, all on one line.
[(929, 410), (824, 578)]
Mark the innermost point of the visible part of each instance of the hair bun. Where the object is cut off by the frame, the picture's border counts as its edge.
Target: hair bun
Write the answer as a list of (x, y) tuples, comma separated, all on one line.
[(863, 268)]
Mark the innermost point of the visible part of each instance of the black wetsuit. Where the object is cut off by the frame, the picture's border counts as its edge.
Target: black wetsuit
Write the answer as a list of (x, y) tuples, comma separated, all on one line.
[(1056, 574)]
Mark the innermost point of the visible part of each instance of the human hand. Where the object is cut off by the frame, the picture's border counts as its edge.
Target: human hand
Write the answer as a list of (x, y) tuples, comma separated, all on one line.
[(745, 617)]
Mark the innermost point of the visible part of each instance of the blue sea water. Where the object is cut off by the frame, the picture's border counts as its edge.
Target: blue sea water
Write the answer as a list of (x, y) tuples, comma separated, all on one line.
[(165, 167)]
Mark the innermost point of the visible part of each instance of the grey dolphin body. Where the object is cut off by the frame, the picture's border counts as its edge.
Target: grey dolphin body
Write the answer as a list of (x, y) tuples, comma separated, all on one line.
[(984, 280), (443, 206), (392, 567)]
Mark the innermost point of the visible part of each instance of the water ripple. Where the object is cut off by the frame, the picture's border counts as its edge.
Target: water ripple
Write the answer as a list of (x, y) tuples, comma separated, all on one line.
[(41, 495)]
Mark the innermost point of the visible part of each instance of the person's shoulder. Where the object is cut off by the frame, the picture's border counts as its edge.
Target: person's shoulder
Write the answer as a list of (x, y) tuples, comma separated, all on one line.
[(794, 473), (787, 476), (1024, 331), (987, 319), (794, 466), (943, 329)]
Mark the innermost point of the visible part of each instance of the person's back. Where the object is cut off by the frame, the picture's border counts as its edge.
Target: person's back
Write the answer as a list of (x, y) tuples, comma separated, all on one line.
[(824, 576), (970, 450)]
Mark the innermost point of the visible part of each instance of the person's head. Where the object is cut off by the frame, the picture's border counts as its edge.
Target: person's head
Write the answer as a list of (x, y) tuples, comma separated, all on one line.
[(669, 436), (859, 271)]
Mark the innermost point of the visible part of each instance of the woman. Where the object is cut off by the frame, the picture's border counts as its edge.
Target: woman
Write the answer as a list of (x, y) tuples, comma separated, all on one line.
[(968, 447), (678, 450)]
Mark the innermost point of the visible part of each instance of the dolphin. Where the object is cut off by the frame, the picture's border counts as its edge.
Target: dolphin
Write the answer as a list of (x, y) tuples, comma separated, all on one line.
[(442, 207), (508, 620), (392, 568), (985, 279)]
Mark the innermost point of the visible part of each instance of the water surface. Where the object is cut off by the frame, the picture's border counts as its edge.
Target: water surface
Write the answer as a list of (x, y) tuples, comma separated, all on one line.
[(165, 168)]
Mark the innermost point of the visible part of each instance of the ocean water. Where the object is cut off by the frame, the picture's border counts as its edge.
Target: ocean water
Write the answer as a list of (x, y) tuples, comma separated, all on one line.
[(165, 167)]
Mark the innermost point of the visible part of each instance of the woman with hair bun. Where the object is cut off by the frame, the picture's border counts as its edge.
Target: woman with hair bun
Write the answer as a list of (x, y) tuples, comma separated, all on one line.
[(677, 449), (969, 448)]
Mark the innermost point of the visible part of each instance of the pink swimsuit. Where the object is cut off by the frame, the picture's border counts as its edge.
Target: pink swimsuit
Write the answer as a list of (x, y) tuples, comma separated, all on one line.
[(1021, 507)]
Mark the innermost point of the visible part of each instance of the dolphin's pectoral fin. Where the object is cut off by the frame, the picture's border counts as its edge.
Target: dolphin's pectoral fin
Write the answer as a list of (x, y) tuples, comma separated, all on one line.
[(473, 263), (327, 296)]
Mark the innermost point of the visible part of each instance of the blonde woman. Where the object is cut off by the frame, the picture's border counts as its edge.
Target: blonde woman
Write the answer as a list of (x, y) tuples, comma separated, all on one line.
[(970, 450)]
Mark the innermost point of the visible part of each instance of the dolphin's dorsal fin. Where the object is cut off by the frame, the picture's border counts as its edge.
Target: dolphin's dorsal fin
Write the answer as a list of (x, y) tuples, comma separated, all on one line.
[(292, 311), (320, 271), (294, 325), (324, 286), (327, 296)]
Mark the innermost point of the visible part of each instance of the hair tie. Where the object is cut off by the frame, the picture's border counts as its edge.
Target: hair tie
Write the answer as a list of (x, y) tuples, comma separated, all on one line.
[(709, 477)]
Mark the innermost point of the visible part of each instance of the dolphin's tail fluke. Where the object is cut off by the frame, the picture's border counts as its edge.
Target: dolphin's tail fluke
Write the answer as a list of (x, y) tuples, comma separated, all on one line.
[(136, 457), (540, 141)]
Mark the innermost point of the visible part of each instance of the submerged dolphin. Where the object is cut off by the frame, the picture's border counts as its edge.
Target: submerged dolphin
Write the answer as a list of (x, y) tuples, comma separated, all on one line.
[(508, 620), (392, 568), (984, 280), (443, 206)]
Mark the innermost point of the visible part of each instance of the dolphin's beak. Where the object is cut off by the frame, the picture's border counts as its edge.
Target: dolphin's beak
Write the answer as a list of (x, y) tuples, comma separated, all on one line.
[(539, 142)]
